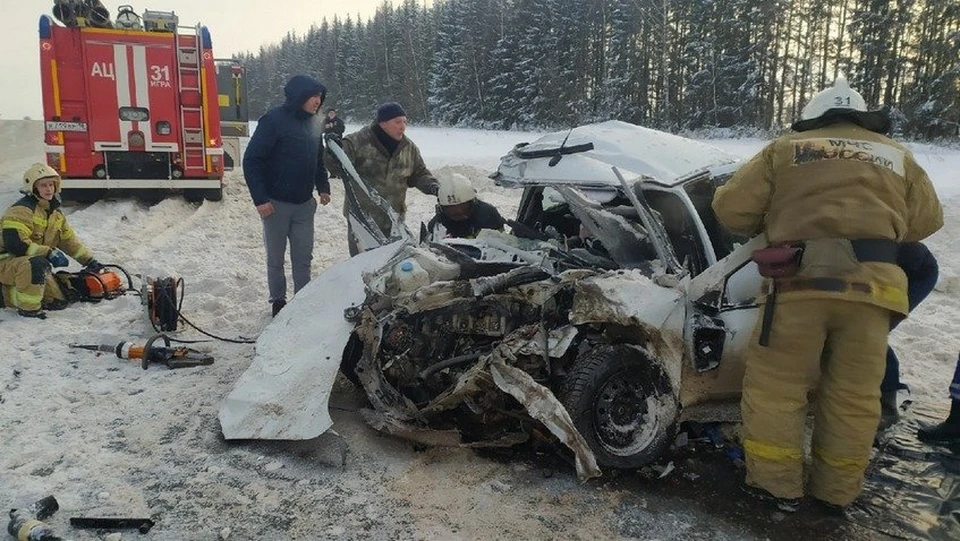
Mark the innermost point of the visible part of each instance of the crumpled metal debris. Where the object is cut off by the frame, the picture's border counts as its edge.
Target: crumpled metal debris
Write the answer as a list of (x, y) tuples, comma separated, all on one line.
[(543, 406)]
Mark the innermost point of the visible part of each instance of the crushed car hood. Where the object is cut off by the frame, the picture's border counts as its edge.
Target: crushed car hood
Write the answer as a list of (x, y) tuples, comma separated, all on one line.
[(636, 151), (283, 395)]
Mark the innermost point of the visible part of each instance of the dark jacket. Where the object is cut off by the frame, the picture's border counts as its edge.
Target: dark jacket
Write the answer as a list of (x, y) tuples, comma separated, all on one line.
[(283, 160), (921, 269), (484, 216), (334, 125)]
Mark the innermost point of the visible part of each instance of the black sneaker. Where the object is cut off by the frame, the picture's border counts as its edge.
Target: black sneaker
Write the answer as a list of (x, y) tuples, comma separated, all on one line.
[(787, 505), (277, 306), (55, 304), (37, 314)]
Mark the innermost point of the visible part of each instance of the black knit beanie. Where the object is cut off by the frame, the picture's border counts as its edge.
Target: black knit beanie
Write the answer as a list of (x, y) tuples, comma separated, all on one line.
[(389, 111)]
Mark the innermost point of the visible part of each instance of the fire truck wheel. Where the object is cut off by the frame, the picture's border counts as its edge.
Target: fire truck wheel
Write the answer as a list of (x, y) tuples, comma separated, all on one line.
[(81, 195), (198, 195)]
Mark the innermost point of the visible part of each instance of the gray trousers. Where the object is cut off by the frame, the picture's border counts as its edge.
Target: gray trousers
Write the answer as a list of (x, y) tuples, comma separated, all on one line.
[(294, 222)]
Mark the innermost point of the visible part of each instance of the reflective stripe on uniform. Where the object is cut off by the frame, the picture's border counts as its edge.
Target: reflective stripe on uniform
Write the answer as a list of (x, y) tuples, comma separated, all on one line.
[(25, 300), (19, 226), (841, 462), (889, 295), (33, 248), (771, 452), (879, 294), (82, 254)]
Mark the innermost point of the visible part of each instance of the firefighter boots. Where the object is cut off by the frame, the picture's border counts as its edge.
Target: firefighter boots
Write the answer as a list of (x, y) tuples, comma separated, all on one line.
[(787, 505), (947, 432), (38, 314)]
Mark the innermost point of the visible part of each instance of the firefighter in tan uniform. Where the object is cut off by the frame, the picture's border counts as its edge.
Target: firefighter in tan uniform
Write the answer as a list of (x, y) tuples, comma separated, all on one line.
[(35, 235), (847, 195)]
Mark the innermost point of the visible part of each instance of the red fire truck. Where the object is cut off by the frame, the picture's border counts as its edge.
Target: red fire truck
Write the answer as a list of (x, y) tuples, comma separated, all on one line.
[(130, 104)]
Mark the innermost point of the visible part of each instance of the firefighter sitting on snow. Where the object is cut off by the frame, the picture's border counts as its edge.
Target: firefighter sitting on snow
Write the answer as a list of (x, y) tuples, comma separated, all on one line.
[(35, 238)]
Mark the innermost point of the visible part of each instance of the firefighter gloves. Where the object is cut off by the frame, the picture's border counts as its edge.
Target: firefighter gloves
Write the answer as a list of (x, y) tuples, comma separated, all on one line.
[(58, 259)]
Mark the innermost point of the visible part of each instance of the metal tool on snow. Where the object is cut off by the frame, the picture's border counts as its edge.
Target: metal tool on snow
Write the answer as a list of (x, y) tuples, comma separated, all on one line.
[(171, 356), (142, 525)]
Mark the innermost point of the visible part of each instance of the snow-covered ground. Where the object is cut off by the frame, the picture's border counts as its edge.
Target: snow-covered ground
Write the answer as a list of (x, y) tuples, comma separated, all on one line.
[(109, 439)]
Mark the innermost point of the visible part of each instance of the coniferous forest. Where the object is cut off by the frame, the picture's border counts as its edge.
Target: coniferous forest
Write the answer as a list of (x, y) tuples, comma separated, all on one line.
[(675, 65)]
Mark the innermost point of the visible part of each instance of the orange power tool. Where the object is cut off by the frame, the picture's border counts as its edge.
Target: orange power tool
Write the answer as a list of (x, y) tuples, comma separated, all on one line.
[(171, 356)]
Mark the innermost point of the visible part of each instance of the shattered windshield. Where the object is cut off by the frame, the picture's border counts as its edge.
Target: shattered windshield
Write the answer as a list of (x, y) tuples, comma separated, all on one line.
[(601, 226)]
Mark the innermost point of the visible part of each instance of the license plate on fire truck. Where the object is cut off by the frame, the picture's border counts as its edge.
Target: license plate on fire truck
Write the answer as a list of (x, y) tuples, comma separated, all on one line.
[(66, 126)]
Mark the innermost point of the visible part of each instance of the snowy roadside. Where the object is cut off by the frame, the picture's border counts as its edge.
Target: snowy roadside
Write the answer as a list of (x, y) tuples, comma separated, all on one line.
[(107, 438)]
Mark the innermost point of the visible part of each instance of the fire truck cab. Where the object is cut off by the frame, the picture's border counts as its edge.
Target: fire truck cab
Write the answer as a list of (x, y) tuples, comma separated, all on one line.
[(130, 105)]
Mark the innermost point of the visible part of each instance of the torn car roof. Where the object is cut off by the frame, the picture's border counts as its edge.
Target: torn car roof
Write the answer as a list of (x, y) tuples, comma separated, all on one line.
[(635, 150)]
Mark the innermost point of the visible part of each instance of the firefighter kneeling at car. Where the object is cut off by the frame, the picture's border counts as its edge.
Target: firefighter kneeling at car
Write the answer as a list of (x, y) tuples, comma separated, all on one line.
[(835, 200), (459, 213), (35, 239)]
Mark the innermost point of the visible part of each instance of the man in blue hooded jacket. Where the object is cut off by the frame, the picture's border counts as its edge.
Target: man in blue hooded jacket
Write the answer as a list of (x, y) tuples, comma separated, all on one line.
[(282, 166)]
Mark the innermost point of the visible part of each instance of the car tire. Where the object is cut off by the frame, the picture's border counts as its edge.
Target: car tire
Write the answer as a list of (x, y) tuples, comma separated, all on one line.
[(623, 404)]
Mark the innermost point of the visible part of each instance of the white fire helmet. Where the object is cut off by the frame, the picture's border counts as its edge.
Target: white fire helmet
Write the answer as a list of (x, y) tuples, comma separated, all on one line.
[(455, 191), (38, 171), (839, 96)]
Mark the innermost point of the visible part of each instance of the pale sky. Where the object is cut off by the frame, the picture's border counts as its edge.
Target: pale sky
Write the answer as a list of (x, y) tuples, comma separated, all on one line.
[(235, 26)]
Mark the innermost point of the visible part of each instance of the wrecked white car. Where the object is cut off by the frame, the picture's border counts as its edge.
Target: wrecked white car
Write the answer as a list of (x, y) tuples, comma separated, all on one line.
[(617, 308)]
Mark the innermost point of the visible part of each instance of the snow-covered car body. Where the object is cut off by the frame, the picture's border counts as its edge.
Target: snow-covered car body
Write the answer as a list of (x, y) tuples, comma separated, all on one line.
[(617, 306)]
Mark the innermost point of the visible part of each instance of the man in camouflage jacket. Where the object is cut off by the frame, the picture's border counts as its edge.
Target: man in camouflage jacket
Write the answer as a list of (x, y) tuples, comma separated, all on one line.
[(389, 162)]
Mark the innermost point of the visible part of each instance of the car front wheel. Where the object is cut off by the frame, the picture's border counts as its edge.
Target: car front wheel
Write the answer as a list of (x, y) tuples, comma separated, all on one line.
[(622, 402)]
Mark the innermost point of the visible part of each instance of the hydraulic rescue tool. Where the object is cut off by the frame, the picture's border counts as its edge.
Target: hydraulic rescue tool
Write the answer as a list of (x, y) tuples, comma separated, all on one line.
[(110, 282), (172, 357), (25, 524)]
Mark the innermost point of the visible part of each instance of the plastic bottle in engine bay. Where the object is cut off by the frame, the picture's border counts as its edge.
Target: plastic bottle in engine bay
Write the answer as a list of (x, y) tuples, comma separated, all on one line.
[(410, 276)]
